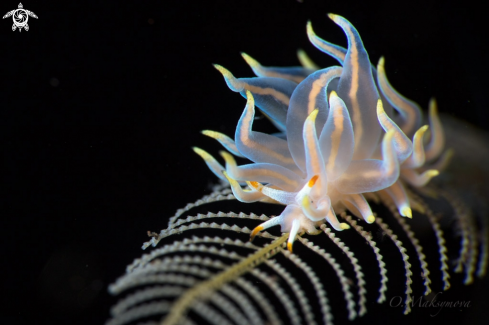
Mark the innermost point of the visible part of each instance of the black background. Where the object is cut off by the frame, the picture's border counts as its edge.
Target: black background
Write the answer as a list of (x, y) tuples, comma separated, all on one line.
[(100, 104)]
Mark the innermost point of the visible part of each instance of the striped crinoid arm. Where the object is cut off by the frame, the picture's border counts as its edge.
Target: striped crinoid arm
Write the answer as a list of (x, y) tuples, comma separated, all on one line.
[(414, 241), (484, 240), (345, 286), (203, 279), (468, 255), (218, 194), (188, 223), (206, 271), (257, 296), (296, 288), (419, 250), (200, 284), (325, 311), (292, 313), (405, 257), (378, 255), (440, 239), (357, 268)]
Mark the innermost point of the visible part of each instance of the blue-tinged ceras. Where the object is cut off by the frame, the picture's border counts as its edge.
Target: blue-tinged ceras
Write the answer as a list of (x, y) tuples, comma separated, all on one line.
[(340, 139)]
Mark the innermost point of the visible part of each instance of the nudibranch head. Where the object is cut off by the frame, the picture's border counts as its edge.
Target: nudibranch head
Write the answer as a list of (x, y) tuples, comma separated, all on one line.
[(344, 132)]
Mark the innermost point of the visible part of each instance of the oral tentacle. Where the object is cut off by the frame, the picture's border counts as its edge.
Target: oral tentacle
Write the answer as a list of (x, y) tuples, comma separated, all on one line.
[(265, 225), (240, 194), (293, 234), (283, 197)]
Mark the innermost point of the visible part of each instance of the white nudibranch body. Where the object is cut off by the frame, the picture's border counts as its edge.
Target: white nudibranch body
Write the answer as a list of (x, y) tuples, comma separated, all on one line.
[(345, 132)]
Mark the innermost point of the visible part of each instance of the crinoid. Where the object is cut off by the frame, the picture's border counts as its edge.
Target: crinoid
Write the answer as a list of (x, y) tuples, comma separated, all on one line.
[(351, 160)]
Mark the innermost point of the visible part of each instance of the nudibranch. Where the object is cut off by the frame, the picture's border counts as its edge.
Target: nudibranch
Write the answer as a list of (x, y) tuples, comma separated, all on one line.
[(345, 135)]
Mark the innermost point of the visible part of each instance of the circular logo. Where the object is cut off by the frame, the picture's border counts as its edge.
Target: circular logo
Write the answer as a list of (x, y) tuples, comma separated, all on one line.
[(20, 17)]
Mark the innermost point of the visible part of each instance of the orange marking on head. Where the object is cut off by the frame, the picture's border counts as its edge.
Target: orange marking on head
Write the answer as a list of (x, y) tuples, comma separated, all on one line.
[(312, 181), (255, 232), (257, 186), (289, 247)]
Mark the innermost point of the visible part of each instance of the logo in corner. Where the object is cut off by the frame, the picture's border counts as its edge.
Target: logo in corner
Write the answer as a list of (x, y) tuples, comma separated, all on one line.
[(20, 17)]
